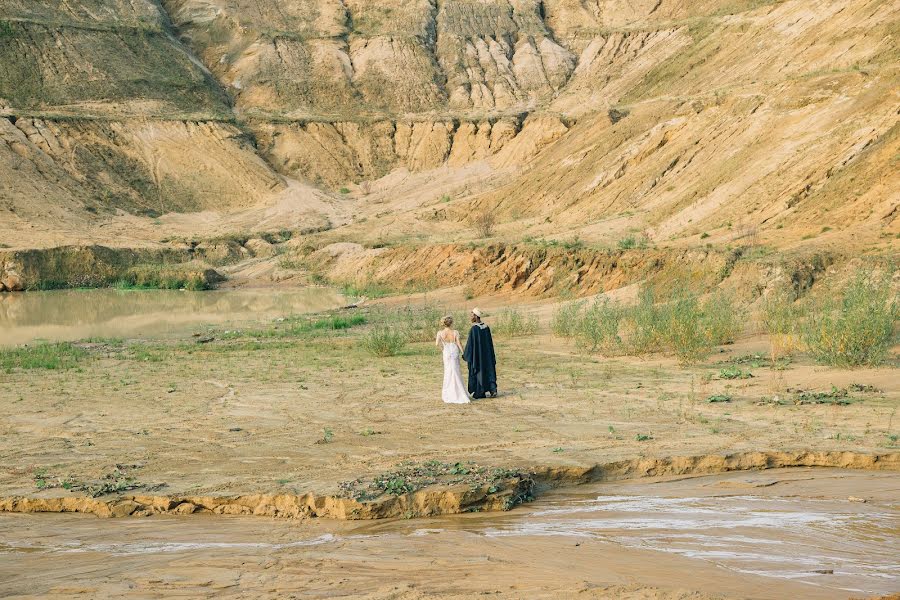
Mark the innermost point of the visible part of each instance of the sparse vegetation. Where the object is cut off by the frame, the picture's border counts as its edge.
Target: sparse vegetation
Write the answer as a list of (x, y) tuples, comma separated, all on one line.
[(384, 340), (834, 396), (301, 326), (734, 373), (411, 476), (512, 322), (855, 329), (782, 320), (683, 325), (565, 319), (484, 223), (149, 278), (716, 398), (597, 328), (627, 243), (616, 114), (63, 355)]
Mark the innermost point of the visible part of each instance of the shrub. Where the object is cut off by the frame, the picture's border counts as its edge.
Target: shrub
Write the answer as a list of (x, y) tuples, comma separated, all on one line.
[(384, 340), (598, 326), (512, 322), (855, 329), (484, 223), (627, 243), (684, 331), (630, 242), (565, 319), (782, 320), (616, 114), (647, 323), (721, 318), (682, 324)]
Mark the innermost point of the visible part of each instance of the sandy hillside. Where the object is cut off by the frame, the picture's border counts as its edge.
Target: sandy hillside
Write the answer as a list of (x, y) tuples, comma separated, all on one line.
[(126, 122)]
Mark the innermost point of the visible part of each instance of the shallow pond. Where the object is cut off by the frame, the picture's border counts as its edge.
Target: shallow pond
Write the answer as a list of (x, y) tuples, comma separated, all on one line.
[(66, 315)]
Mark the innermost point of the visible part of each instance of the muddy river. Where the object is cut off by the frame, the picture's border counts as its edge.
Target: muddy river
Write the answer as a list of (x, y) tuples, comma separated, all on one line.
[(66, 315), (800, 533)]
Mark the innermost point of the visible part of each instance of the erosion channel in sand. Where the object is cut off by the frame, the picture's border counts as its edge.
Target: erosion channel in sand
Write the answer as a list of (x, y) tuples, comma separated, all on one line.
[(799, 533)]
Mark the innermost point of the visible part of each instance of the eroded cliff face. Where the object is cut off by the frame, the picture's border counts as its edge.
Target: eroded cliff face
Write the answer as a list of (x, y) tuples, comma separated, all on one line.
[(598, 119)]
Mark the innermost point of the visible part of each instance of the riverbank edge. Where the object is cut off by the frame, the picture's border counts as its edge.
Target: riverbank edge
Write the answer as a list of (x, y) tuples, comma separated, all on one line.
[(446, 500)]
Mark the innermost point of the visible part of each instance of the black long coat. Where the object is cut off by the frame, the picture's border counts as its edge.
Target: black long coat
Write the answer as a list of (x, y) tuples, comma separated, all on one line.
[(479, 355)]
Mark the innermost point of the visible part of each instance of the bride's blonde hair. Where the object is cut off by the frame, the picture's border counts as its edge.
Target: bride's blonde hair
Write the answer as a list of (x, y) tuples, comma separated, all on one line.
[(447, 321)]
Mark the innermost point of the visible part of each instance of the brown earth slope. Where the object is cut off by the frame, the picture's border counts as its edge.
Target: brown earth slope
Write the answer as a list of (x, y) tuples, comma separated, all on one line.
[(724, 119)]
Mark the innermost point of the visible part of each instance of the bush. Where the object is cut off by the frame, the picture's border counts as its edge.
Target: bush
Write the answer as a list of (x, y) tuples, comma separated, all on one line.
[(384, 340), (565, 319), (598, 327), (721, 318), (627, 243), (684, 331), (484, 223), (782, 319), (647, 323), (855, 329), (512, 322), (682, 324), (631, 242)]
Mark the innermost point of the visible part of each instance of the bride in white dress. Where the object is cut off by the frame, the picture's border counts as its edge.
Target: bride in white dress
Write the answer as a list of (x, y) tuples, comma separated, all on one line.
[(454, 390)]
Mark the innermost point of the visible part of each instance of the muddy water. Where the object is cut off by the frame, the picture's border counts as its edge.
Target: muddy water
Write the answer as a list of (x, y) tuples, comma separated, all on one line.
[(67, 315), (785, 534)]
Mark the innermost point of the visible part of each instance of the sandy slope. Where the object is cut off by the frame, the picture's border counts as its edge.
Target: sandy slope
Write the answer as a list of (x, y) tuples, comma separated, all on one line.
[(775, 121)]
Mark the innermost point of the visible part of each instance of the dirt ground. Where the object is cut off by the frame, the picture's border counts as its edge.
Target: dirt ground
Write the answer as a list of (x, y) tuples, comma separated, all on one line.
[(302, 414)]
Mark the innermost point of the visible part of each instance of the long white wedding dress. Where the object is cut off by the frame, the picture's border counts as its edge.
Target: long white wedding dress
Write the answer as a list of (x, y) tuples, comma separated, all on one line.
[(454, 390)]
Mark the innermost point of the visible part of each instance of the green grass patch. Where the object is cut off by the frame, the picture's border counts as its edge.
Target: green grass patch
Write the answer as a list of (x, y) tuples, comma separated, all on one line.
[(165, 277), (384, 340), (412, 476), (63, 355), (301, 326)]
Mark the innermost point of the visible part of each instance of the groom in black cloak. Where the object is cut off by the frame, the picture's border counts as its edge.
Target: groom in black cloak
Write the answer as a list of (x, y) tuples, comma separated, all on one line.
[(479, 355)]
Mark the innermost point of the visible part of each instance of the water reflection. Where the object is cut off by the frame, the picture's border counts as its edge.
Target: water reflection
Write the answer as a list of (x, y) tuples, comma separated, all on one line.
[(66, 315)]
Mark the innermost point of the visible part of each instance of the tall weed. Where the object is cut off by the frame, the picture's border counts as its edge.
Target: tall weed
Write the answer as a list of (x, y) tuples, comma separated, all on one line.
[(512, 322), (782, 319), (855, 329), (384, 340), (598, 327), (565, 319)]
